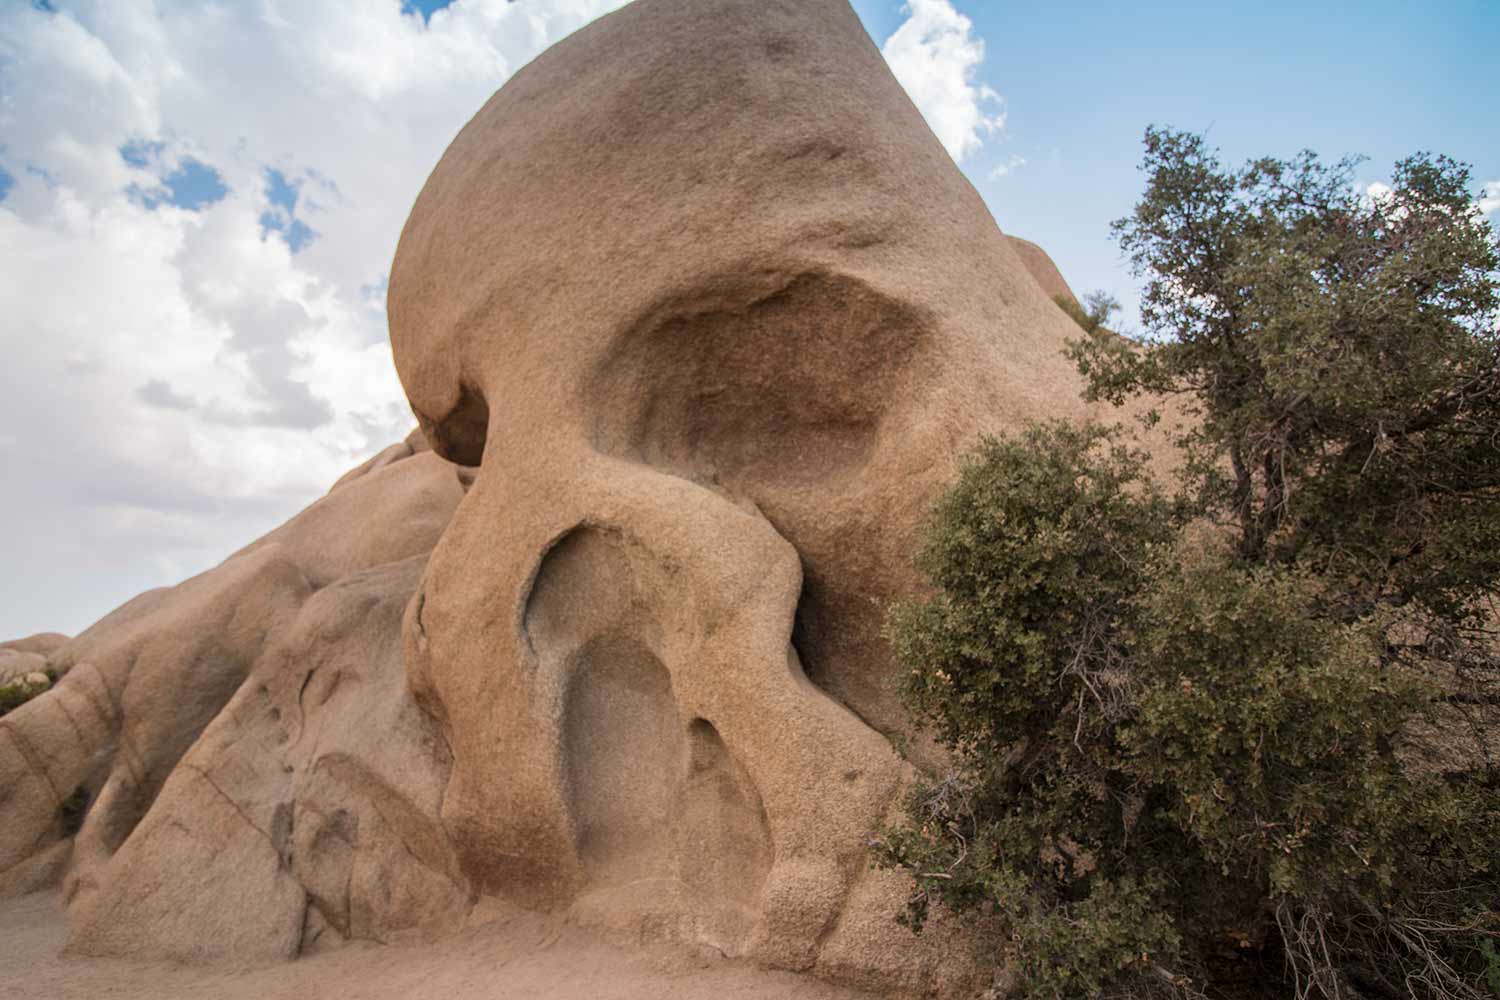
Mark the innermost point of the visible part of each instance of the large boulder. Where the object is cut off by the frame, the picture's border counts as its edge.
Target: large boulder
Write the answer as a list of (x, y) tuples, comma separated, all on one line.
[(16, 664), (697, 317), (41, 644), (715, 315), (307, 808), (250, 771)]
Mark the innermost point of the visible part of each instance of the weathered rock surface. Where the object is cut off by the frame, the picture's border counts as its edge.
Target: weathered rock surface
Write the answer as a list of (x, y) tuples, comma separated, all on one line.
[(713, 366), (311, 799), (714, 316), (15, 664), (20, 657), (203, 722), (42, 644), (1042, 268)]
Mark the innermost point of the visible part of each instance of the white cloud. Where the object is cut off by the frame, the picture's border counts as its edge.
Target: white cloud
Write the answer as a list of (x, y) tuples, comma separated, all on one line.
[(1014, 162), (936, 56), (1489, 201), (176, 381), (1378, 193)]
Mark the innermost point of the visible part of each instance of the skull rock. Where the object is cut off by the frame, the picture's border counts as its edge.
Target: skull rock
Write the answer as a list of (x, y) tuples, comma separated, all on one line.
[(714, 313)]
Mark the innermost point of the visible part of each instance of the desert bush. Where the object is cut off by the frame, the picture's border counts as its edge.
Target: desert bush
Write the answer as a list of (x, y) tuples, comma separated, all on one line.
[(1171, 771), (18, 691), (1093, 313), (1233, 731)]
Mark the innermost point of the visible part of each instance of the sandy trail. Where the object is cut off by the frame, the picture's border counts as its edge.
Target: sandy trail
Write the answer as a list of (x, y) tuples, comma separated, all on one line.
[(515, 956)]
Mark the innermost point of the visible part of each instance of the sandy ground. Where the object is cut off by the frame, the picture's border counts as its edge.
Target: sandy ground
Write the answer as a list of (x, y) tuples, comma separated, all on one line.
[(515, 956)]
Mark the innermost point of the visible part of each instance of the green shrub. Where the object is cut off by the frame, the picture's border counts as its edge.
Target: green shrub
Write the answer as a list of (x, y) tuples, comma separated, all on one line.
[(19, 691), (1171, 771), (1092, 313), (1247, 735)]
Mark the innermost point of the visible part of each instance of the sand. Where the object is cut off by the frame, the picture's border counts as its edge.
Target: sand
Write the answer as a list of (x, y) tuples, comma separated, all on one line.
[(513, 955)]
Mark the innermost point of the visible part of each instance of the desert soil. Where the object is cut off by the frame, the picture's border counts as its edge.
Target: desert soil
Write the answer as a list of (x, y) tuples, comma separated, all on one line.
[(514, 955)]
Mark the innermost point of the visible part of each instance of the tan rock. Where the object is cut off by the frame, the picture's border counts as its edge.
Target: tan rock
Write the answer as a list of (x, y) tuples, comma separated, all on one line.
[(143, 686), (717, 314), (417, 441), (43, 643), (137, 691), (706, 316), (16, 665), (316, 787), (42, 870), (1041, 268), (388, 514)]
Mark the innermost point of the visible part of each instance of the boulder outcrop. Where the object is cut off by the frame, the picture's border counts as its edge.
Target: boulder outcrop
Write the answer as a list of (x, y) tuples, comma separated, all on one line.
[(715, 314), (1042, 269), (41, 644), (15, 665), (697, 318), (200, 723)]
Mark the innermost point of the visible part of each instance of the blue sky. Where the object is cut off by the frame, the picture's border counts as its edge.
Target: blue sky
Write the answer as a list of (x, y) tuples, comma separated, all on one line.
[(199, 204), (1081, 81)]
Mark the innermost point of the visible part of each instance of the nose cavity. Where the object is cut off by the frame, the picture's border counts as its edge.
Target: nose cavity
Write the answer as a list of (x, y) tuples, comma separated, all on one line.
[(623, 747), (666, 821), (459, 434), (780, 388)]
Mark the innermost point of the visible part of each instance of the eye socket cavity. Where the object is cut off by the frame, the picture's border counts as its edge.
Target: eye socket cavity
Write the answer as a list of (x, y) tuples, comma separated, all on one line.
[(789, 388)]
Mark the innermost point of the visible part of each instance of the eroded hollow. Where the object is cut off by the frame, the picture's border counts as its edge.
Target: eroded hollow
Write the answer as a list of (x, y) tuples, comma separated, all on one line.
[(459, 435), (663, 813), (624, 749), (723, 836), (666, 820), (791, 386)]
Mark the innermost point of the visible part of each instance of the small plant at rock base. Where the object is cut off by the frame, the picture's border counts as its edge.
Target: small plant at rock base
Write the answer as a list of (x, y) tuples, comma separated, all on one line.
[(1491, 965), (17, 692)]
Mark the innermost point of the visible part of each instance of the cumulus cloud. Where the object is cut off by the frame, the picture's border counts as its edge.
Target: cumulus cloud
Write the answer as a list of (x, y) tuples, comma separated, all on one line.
[(1380, 193), (936, 56), (198, 207), (1489, 201), (1011, 163)]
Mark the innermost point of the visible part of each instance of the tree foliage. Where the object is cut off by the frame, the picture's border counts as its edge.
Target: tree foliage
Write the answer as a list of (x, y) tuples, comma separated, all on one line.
[(1341, 351), (1236, 730), (1092, 313)]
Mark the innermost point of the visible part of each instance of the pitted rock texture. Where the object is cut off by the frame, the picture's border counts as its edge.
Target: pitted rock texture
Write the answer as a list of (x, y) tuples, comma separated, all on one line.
[(254, 771), (41, 644), (714, 314), (696, 317), (1042, 269)]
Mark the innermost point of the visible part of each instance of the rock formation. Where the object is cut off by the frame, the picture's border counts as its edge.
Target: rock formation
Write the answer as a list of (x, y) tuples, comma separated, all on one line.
[(1042, 269), (40, 644), (712, 373), (23, 658), (229, 731), (702, 316)]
